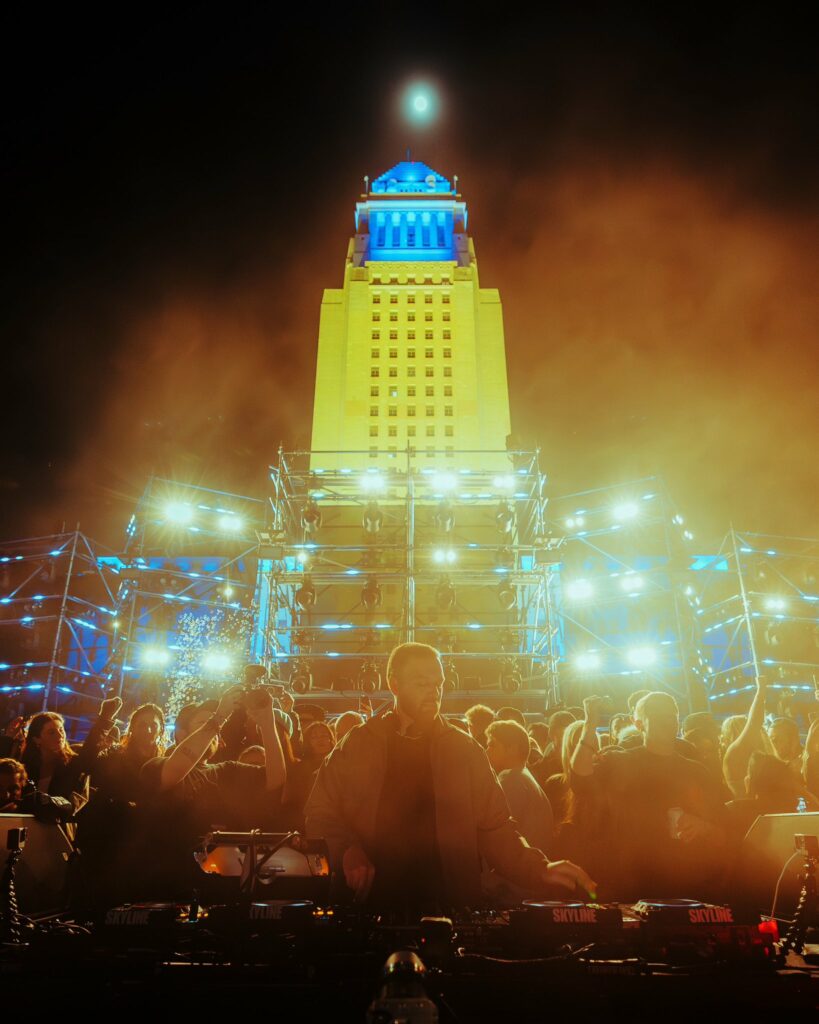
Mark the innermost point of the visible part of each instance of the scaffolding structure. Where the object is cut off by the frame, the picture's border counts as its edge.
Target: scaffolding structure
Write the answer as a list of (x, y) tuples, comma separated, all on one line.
[(353, 562), (58, 625), (184, 601), (625, 600), (759, 615)]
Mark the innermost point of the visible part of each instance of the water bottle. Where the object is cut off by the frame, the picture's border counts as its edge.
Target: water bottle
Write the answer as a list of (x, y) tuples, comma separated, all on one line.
[(801, 806)]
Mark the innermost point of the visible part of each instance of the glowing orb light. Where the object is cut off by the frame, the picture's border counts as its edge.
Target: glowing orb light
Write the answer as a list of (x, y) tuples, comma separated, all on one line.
[(420, 103), (641, 657), (579, 590), (587, 662), (216, 661)]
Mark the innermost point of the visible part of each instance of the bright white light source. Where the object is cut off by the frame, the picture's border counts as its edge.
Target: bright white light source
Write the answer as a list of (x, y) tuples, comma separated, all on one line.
[(178, 512), (587, 662), (444, 482), (155, 656), (216, 661), (444, 556), (231, 524), (421, 104), (227, 591), (628, 510), (578, 590), (302, 557), (372, 483), (631, 584), (775, 604), (504, 483), (641, 657)]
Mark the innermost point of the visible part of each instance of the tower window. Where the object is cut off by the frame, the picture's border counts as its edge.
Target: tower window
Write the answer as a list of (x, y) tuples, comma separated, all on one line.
[(410, 371), (393, 317), (428, 353), (447, 410), (411, 391), (411, 299), (430, 410), (373, 431), (411, 317), (428, 335), (430, 391), (374, 391), (410, 431), (429, 371), (374, 371), (445, 297), (447, 371), (447, 335), (393, 353), (447, 316), (410, 335), (410, 353), (376, 299), (393, 298), (428, 317), (376, 318), (428, 295), (447, 390), (393, 335), (430, 430), (375, 353), (449, 430), (373, 410), (392, 430), (391, 450), (393, 410), (410, 410), (393, 371), (447, 353), (373, 451), (393, 391), (393, 278), (376, 335)]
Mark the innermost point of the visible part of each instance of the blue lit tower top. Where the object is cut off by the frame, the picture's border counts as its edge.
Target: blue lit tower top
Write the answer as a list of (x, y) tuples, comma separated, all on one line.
[(411, 213)]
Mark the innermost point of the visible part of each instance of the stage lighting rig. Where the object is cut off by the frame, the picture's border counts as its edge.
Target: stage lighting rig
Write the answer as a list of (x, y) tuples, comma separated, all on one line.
[(311, 517), (373, 517), (445, 595), (369, 678), (505, 518), (507, 595), (451, 678), (444, 517), (510, 677), (301, 681), (505, 558), (306, 594), (371, 594)]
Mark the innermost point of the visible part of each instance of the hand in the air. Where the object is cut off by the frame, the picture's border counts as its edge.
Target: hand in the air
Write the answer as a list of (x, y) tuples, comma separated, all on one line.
[(109, 708)]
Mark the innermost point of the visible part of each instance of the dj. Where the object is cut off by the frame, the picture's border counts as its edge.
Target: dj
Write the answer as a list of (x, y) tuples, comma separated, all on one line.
[(409, 805)]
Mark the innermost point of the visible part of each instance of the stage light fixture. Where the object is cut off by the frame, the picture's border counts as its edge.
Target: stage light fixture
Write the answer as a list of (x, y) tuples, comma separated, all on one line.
[(216, 662), (420, 104), (444, 481), (504, 483), (371, 594), (227, 591), (587, 662), (451, 678), (504, 518), (775, 604), (178, 512), (306, 594), (231, 524), (155, 657), (301, 681), (510, 677), (507, 595), (445, 595), (505, 558), (444, 556), (627, 510), (373, 518), (369, 678), (579, 590), (372, 483), (444, 517), (641, 657), (310, 517), (632, 584)]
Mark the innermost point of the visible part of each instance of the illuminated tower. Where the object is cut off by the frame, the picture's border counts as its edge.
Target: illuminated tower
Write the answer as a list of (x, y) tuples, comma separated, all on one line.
[(411, 349)]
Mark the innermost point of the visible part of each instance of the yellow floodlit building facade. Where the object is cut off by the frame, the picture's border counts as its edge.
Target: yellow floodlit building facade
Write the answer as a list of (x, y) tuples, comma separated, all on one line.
[(411, 357)]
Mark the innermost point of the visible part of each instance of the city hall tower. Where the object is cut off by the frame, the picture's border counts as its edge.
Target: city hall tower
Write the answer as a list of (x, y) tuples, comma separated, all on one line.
[(411, 350)]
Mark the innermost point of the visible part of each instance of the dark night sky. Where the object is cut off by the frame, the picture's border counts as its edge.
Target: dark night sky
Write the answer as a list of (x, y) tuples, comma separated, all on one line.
[(178, 192)]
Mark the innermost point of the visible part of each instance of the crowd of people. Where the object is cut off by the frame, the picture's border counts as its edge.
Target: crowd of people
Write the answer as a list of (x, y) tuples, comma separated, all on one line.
[(419, 810)]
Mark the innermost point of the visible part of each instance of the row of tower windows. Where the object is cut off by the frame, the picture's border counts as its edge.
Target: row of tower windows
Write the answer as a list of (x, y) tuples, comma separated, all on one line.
[(412, 279), (429, 353), (410, 297), (392, 371), (428, 318), (429, 410), (429, 431), (449, 452), (429, 391), (428, 336)]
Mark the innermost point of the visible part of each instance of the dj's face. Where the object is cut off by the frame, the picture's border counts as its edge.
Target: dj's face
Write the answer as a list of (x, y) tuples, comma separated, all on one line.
[(419, 687)]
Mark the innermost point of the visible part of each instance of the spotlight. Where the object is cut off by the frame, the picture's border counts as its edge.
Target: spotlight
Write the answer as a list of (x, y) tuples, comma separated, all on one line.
[(311, 517), (507, 595), (504, 483), (369, 678), (371, 594), (444, 482), (372, 483), (373, 518), (231, 524), (227, 591), (579, 590), (628, 510), (301, 681), (155, 657), (306, 594), (178, 512), (445, 595), (775, 604), (420, 103), (510, 678), (444, 556), (641, 657), (632, 584), (574, 522), (216, 662), (587, 662), (444, 517), (451, 678), (504, 518)]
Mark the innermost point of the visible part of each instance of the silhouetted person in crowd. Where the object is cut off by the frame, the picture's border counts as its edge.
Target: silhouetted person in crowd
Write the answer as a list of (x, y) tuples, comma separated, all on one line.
[(478, 719), (344, 723), (508, 749), (551, 763), (784, 736), (752, 737), (409, 805)]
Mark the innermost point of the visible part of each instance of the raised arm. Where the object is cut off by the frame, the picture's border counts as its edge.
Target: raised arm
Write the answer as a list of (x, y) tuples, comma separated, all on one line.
[(582, 763), (735, 761), (190, 752), (259, 705)]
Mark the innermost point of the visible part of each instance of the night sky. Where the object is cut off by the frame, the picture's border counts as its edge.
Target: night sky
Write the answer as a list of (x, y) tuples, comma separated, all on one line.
[(178, 192)]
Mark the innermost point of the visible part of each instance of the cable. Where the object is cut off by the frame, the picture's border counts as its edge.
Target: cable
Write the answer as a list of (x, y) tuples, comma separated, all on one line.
[(781, 876)]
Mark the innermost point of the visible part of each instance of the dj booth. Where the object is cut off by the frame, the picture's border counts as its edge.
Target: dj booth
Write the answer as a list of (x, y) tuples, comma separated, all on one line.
[(262, 932)]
